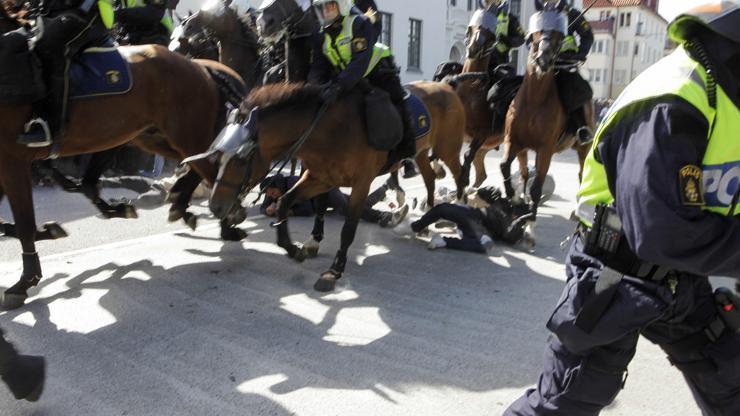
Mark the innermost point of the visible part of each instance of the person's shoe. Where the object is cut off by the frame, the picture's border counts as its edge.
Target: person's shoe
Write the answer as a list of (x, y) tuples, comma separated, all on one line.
[(397, 216), (36, 134), (25, 377), (409, 170), (436, 242), (486, 242), (585, 135)]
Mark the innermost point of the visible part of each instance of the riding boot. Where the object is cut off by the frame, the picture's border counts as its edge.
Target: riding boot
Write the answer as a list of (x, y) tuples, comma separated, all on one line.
[(23, 374), (584, 134), (407, 147), (40, 131)]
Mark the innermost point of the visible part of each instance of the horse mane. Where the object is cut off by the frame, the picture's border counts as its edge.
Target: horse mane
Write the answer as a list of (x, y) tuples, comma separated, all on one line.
[(279, 97), (248, 29)]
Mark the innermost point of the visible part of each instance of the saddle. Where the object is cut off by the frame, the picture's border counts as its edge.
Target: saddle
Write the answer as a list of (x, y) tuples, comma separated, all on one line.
[(384, 124), (97, 71), (502, 92)]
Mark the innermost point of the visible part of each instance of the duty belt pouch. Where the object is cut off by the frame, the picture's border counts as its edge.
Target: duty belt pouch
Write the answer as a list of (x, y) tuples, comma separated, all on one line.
[(20, 70), (384, 125)]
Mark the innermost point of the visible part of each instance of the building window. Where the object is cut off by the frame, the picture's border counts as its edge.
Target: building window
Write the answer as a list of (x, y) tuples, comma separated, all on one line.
[(619, 76), (414, 61), (386, 20), (471, 5), (515, 7), (623, 47), (625, 19), (597, 79), (453, 3)]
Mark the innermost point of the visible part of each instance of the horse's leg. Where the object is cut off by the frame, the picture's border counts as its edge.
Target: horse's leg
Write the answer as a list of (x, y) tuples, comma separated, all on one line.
[(395, 185), (306, 187), (311, 247), (508, 158), (357, 200), (99, 162), (452, 161), (475, 145), (582, 151), (180, 195), (523, 159), (18, 188), (425, 168), (542, 165), (480, 168)]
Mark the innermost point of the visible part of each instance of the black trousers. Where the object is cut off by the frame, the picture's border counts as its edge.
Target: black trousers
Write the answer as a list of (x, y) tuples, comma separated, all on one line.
[(339, 201), (464, 217)]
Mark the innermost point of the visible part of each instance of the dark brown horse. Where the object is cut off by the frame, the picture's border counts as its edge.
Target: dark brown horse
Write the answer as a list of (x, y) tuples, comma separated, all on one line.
[(472, 87), (335, 154), (186, 120), (537, 119)]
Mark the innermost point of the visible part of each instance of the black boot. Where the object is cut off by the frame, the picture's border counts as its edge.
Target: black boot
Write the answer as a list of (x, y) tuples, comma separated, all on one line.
[(40, 131), (584, 134), (409, 170), (23, 374), (407, 147)]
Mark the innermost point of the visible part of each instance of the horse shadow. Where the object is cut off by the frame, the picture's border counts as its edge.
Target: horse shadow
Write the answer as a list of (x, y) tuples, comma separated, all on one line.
[(237, 326)]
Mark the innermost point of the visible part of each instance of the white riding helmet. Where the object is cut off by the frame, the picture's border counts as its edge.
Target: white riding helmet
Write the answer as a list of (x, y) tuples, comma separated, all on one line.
[(345, 6)]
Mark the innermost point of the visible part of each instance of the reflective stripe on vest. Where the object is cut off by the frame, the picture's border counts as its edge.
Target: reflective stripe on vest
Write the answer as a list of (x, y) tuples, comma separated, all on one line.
[(166, 21), (502, 31), (105, 8), (339, 51), (677, 75), (569, 44)]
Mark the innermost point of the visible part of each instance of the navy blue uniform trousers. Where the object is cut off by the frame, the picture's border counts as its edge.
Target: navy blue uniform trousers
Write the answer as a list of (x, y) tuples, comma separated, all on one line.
[(584, 372)]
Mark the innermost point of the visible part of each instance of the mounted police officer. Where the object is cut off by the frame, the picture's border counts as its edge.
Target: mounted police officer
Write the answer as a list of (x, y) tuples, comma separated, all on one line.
[(145, 21), (348, 52), (659, 212), (574, 90), (65, 28), (509, 34)]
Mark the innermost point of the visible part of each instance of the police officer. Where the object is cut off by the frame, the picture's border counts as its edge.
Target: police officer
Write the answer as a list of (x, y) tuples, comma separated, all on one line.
[(67, 27), (659, 213), (509, 34), (574, 90), (23, 374), (145, 21), (347, 52)]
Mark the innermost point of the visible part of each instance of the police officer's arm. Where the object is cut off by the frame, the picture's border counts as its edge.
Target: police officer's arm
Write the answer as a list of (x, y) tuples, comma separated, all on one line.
[(583, 29), (644, 155), (320, 66), (364, 38), (516, 35)]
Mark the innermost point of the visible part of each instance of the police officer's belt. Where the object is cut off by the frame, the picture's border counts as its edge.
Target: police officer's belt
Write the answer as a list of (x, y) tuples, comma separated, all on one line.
[(622, 261)]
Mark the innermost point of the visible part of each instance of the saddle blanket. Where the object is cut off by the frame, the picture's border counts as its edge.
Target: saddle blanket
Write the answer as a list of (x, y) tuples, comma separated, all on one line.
[(99, 72), (419, 113)]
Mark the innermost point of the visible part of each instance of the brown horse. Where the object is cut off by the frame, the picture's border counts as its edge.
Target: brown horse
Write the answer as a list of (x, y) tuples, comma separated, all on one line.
[(472, 87), (186, 118), (336, 153), (537, 119)]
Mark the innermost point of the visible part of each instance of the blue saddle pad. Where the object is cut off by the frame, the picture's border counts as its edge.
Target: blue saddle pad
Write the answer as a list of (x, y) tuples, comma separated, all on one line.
[(419, 113), (98, 72)]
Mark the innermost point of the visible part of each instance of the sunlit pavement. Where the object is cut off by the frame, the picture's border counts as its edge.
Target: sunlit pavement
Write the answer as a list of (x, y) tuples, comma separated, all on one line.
[(137, 317)]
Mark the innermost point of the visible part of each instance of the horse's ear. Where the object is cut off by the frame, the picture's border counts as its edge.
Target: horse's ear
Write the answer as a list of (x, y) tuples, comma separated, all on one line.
[(538, 5)]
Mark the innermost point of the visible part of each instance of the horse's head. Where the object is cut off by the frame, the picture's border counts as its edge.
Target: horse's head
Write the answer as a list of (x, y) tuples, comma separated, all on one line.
[(193, 40), (217, 17), (241, 166), (275, 17), (547, 28), (481, 33)]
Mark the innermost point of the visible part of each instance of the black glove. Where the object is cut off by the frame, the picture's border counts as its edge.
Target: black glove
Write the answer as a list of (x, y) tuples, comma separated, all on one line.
[(331, 93)]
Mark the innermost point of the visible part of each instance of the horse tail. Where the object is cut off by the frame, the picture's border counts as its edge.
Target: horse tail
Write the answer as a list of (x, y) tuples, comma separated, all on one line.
[(230, 85)]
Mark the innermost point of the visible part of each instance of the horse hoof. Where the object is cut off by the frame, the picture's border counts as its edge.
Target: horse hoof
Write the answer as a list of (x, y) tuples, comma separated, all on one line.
[(440, 173), (233, 234), (55, 230), (172, 197), (301, 255), (327, 282), (12, 301), (174, 215), (191, 220), (311, 248)]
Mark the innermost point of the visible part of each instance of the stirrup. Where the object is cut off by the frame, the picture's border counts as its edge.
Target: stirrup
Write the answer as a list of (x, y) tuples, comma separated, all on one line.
[(584, 135), (33, 141)]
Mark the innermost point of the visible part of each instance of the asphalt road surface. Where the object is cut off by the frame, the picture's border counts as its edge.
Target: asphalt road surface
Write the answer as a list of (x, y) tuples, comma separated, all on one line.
[(141, 317)]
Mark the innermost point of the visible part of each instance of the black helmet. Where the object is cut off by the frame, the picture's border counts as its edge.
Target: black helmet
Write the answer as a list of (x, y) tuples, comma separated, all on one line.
[(720, 16)]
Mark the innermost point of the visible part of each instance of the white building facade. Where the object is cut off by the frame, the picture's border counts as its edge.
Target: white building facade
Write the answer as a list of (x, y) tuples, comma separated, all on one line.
[(629, 36)]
